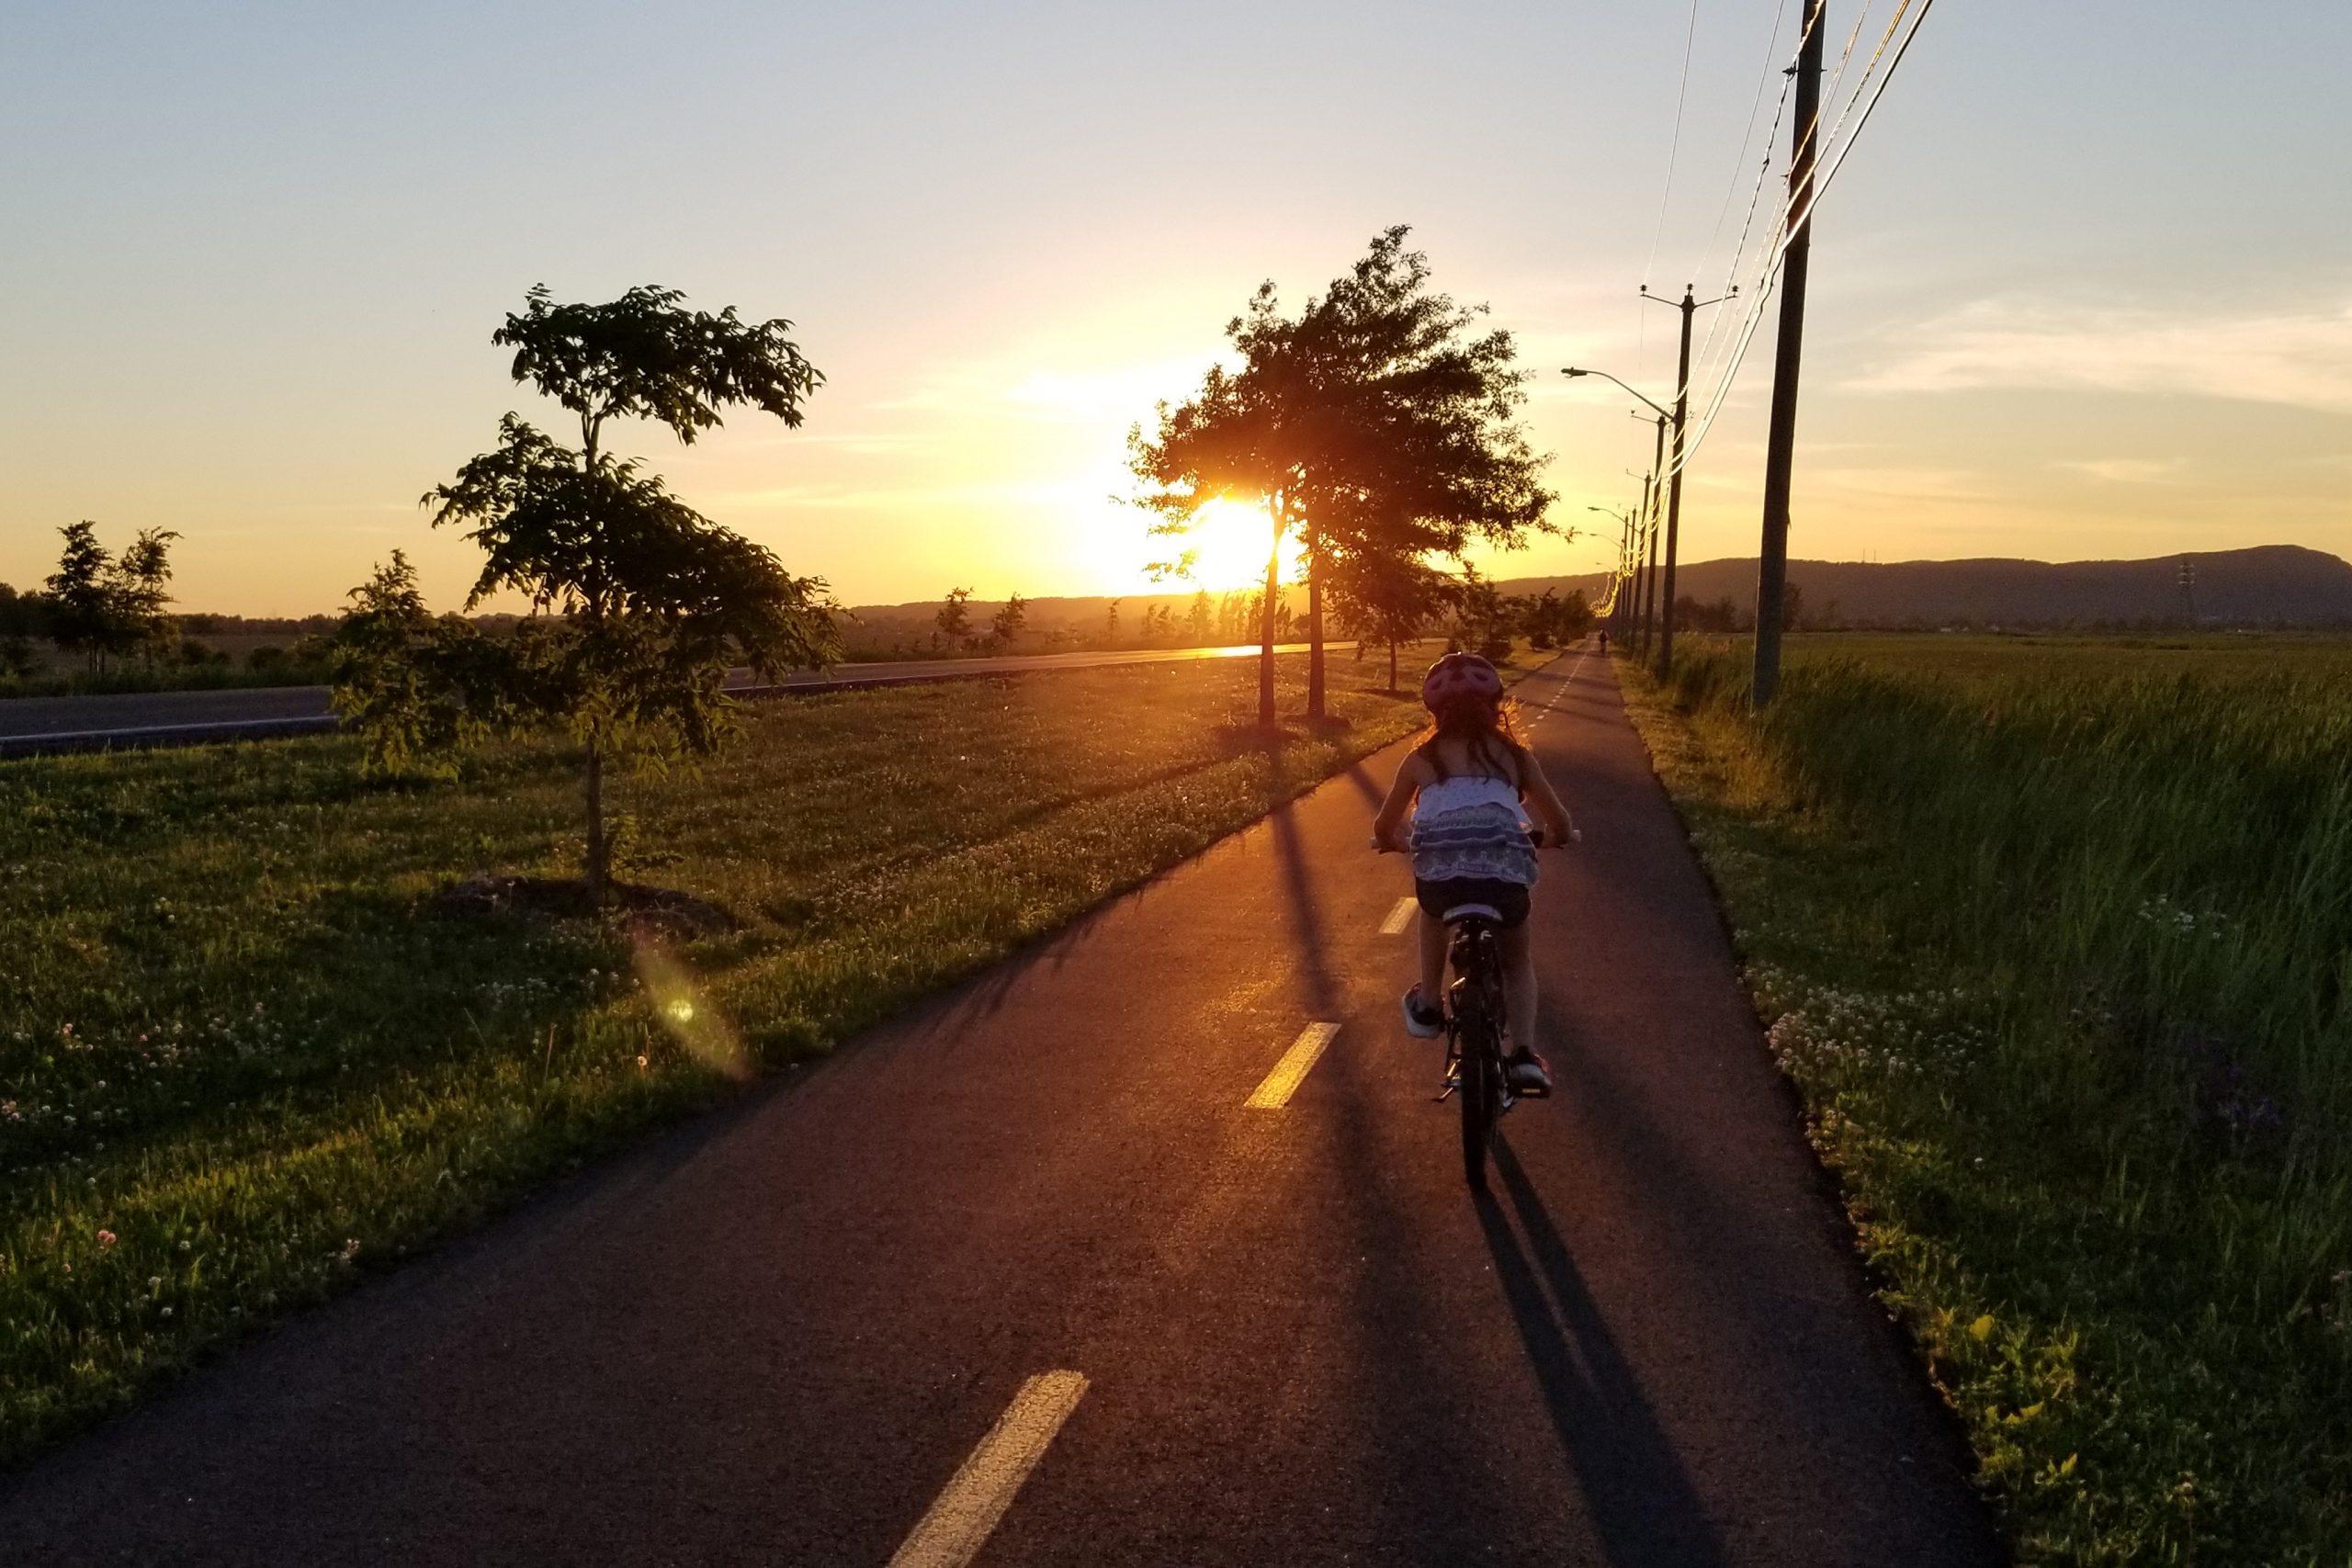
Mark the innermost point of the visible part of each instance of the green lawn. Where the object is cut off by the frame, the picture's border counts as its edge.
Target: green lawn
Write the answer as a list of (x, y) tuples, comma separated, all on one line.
[(2054, 936), (248, 1049)]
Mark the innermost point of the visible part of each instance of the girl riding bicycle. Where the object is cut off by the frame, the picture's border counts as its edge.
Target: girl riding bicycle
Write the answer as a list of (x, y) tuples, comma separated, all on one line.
[(1470, 787)]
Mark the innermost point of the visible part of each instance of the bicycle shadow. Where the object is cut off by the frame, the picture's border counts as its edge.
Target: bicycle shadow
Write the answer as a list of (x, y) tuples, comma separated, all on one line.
[(1643, 1504)]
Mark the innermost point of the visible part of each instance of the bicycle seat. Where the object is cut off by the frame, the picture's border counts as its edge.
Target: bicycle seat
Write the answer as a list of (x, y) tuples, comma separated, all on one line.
[(1473, 912)]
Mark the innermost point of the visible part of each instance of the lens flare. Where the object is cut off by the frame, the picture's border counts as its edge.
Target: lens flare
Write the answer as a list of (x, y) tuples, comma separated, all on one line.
[(699, 1028)]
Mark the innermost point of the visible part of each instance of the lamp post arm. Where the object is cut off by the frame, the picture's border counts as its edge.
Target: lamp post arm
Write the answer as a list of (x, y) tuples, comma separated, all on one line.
[(1573, 371)]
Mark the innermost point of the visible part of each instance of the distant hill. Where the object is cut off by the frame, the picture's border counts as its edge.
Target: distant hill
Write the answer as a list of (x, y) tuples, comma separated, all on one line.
[(2270, 585)]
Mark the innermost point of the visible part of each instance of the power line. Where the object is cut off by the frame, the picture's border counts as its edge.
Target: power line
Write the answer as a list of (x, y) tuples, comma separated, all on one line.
[(1739, 252), (1682, 91), (1748, 139), (1764, 169), (1674, 144), (1791, 219)]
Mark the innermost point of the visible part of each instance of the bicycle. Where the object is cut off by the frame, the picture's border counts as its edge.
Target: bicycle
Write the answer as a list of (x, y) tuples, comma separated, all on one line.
[(1475, 1065)]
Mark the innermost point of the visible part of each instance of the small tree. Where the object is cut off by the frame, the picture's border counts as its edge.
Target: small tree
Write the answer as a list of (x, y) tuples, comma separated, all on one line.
[(140, 594), (1389, 599), (1110, 626), (415, 688), (954, 618), (81, 615), (1197, 619), (1482, 616), (1006, 625), (638, 604), (104, 606)]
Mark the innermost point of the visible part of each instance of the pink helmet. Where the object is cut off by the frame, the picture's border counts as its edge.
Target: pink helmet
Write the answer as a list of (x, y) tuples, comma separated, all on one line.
[(1460, 675)]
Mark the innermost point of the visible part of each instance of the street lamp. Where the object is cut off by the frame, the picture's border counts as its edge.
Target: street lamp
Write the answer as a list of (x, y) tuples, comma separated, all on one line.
[(1673, 476), (1572, 372), (1623, 574), (1647, 591)]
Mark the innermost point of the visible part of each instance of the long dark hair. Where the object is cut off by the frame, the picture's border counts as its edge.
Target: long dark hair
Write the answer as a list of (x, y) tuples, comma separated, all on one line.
[(1487, 728)]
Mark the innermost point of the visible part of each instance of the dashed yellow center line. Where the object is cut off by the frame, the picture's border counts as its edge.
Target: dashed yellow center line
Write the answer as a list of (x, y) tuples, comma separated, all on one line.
[(960, 1522), (1291, 1071), (1399, 917)]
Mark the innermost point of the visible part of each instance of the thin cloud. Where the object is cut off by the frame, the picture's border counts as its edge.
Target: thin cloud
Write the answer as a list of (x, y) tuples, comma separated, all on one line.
[(2303, 360), (1054, 394), (1901, 483), (2126, 470)]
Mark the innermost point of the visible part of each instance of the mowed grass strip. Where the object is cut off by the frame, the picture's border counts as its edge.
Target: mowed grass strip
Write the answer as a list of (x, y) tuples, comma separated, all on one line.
[(248, 1051), (2055, 939)]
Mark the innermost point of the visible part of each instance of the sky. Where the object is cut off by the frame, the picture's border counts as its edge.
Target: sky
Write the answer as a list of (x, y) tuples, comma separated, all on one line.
[(2082, 289)]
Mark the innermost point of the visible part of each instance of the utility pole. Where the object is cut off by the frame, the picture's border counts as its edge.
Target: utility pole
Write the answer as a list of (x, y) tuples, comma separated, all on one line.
[(1652, 487), (1772, 571), (1647, 569), (2188, 587), (1623, 597), (1689, 307)]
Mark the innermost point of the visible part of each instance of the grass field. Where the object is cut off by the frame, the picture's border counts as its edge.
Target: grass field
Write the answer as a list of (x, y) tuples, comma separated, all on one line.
[(250, 1048), (2055, 938)]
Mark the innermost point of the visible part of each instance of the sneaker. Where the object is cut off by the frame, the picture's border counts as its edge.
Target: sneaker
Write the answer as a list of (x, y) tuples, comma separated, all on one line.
[(1422, 1021), (1530, 1074)]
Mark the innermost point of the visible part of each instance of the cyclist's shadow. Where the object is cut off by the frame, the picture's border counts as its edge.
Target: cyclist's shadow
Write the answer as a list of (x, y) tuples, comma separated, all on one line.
[(1643, 1506)]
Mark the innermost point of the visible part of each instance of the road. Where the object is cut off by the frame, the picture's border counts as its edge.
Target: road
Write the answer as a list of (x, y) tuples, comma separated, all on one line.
[(30, 725), (1220, 1333)]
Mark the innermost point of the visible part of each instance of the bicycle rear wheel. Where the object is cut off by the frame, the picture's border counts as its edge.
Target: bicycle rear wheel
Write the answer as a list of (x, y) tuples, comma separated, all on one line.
[(1481, 1096)]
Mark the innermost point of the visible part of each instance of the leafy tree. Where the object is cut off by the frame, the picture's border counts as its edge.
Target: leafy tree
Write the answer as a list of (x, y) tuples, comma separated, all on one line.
[(81, 617), (415, 688), (1538, 617), (639, 605), (1197, 619), (1389, 599), (139, 594), (955, 618), (1110, 626), (1549, 620), (24, 614), (104, 606), (1006, 625), (1483, 618), (1373, 423)]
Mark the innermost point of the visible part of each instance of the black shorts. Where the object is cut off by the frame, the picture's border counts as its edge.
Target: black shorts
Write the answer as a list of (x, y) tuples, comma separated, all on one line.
[(1509, 897)]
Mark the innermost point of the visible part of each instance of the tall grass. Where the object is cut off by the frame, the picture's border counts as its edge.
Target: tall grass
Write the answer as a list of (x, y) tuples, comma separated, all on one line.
[(2058, 942)]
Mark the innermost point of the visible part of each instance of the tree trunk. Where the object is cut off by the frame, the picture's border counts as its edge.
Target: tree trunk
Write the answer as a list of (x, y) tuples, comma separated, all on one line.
[(1266, 627), (597, 848), (1315, 631), (1392, 663)]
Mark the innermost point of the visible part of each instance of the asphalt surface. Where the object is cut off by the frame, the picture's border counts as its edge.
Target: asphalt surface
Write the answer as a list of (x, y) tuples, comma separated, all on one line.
[(774, 1335), (34, 725)]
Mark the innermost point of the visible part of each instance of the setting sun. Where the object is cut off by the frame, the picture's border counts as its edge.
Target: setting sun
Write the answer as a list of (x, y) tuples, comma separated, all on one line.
[(1228, 543)]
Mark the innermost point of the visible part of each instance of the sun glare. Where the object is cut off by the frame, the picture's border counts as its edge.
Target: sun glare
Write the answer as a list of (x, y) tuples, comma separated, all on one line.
[(1228, 542)]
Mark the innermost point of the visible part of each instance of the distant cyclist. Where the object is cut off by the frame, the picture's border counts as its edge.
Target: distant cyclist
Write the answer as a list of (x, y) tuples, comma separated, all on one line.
[(1470, 786)]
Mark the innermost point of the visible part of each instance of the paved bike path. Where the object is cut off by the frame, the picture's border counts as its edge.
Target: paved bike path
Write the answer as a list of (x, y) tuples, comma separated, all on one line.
[(774, 1335)]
